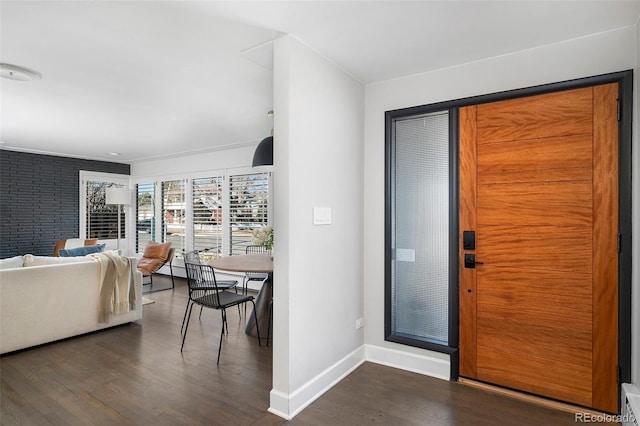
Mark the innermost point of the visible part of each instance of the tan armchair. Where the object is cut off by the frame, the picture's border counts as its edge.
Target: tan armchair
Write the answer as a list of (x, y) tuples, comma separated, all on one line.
[(72, 243), (155, 256)]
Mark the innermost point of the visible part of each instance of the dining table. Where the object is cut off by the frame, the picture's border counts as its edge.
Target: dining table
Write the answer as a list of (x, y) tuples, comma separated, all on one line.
[(257, 263)]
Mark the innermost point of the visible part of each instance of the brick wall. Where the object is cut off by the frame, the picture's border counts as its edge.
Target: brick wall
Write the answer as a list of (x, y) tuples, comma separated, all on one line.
[(39, 200)]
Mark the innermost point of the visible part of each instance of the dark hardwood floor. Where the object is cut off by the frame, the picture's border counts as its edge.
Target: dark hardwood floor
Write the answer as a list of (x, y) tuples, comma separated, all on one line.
[(135, 375)]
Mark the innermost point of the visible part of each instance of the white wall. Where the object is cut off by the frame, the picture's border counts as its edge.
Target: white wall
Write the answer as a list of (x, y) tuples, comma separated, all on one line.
[(215, 160), (588, 56), (319, 122)]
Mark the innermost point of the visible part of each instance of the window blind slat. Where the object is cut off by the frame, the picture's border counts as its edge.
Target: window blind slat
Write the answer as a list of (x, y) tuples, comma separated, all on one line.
[(174, 214), (102, 218), (207, 216), (145, 215), (248, 201)]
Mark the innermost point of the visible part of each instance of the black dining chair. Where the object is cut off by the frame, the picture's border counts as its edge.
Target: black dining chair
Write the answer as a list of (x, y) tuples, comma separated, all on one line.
[(254, 276), (219, 299), (202, 282)]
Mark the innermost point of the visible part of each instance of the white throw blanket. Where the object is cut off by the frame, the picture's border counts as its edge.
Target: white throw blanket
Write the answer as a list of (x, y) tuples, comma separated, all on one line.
[(117, 292)]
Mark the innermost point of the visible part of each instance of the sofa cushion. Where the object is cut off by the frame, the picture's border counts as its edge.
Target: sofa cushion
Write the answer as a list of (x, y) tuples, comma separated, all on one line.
[(81, 251), (12, 262), (31, 260)]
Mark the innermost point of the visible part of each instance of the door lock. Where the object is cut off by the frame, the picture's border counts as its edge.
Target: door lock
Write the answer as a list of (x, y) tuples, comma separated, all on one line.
[(471, 262), (469, 240)]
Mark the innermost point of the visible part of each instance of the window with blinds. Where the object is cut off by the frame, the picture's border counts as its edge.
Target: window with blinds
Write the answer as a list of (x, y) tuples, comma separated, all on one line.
[(101, 218), (213, 214), (248, 202), (207, 216), (174, 214), (145, 218)]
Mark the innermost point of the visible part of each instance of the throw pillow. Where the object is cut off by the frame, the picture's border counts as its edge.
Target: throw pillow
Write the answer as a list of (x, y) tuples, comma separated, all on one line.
[(81, 251), (12, 262), (31, 260)]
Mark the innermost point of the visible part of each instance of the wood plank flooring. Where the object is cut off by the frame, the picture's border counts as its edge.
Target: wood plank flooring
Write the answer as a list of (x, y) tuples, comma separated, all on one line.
[(135, 375)]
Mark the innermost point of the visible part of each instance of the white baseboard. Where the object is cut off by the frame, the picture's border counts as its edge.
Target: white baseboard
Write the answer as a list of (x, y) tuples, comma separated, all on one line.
[(288, 406), (421, 364), (279, 404)]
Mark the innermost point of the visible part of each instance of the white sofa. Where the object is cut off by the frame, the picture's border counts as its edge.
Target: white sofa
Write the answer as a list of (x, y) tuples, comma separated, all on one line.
[(41, 304)]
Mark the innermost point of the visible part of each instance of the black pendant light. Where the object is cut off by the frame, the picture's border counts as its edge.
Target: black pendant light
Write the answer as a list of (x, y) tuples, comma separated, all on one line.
[(263, 155)]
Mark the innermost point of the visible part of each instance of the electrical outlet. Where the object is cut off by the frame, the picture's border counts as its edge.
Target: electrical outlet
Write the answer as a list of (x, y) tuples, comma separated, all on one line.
[(359, 323)]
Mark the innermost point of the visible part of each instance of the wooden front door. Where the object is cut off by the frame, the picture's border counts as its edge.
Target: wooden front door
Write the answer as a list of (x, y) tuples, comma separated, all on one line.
[(539, 186)]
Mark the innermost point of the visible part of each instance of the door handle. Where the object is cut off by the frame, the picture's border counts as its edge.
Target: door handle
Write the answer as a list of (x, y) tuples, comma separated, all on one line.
[(470, 261)]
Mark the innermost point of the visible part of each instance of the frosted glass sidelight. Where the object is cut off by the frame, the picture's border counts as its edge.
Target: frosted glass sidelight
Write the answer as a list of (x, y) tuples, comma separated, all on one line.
[(420, 228)]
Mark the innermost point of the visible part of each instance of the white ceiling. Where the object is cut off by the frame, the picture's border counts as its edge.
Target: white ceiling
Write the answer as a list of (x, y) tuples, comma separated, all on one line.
[(150, 79)]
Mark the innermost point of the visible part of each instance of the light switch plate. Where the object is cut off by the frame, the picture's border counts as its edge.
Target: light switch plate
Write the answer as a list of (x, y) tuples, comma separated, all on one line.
[(322, 215)]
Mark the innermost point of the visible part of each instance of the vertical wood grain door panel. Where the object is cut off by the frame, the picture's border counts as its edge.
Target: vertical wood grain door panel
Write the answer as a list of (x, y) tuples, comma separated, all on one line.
[(538, 184)]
